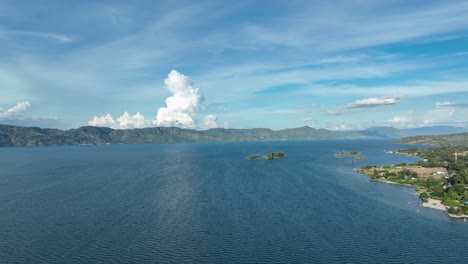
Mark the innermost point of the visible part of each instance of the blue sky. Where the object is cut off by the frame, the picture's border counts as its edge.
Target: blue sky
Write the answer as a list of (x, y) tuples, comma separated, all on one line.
[(199, 64)]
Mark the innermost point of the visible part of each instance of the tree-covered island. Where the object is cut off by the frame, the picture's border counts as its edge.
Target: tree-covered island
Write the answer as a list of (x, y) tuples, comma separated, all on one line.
[(440, 178), (269, 156), (353, 154)]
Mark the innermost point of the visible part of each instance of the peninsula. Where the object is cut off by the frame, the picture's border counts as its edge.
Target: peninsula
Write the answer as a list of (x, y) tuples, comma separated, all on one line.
[(440, 178)]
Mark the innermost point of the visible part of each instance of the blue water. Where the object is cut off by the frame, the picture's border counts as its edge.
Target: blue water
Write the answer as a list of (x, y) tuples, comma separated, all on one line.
[(204, 203)]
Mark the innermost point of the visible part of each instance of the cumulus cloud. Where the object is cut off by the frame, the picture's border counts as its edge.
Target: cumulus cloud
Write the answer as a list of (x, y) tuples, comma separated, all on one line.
[(15, 111), (134, 121), (209, 122), (103, 121), (374, 102), (406, 120), (182, 107), (338, 127), (126, 121)]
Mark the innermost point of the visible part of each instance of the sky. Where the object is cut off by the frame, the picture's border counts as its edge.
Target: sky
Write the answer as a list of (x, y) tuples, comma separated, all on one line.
[(339, 65)]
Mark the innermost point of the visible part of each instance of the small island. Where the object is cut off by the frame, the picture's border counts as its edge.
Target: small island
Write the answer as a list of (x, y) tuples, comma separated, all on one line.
[(353, 154), (440, 178), (269, 156)]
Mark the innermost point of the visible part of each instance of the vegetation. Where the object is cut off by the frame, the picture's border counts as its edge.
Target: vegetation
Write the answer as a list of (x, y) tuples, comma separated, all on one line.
[(460, 139), (451, 189), (269, 156), (34, 136), (394, 174), (353, 154), (254, 157)]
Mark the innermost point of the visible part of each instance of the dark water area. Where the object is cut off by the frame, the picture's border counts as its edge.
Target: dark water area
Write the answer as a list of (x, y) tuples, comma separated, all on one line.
[(204, 203)]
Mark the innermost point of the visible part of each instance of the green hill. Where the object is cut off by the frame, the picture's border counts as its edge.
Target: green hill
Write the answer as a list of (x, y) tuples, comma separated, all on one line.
[(443, 140), (35, 136)]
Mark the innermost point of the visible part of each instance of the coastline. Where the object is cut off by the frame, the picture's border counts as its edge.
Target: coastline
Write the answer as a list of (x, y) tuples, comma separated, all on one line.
[(434, 204), (458, 216), (430, 203), (394, 183), (438, 205)]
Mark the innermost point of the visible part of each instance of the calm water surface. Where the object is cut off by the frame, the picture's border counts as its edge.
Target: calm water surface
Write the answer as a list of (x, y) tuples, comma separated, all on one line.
[(204, 203)]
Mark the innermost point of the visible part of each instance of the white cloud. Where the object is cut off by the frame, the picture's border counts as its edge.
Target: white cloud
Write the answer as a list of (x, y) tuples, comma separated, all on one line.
[(374, 102), (405, 120), (337, 127), (181, 109), (407, 89), (15, 110), (366, 103), (15, 116), (126, 121), (307, 119), (448, 104), (183, 105), (445, 103), (440, 116), (434, 117), (337, 111), (103, 121), (342, 59), (209, 122)]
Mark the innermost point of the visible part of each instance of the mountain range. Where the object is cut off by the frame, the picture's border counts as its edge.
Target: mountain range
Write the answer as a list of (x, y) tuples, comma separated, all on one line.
[(35, 136)]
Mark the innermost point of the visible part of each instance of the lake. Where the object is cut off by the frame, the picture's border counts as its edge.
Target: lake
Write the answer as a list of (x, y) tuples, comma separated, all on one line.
[(204, 203)]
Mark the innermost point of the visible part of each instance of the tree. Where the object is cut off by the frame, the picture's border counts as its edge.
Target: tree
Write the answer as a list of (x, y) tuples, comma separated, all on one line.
[(452, 210), (424, 195)]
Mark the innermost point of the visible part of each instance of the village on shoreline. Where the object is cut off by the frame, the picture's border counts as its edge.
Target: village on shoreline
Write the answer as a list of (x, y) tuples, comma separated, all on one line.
[(440, 178)]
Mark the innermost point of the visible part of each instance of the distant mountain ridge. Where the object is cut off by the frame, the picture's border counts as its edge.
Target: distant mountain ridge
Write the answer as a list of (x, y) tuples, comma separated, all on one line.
[(34, 136)]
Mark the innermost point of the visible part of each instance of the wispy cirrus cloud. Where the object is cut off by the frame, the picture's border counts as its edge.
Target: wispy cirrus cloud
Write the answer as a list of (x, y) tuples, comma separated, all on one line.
[(414, 88), (60, 38), (445, 103), (450, 104)]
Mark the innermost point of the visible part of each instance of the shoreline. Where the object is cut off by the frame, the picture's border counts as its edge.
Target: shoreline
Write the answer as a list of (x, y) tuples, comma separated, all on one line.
[(434, 204), (394, 183), (438, 205), (431, 203)]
